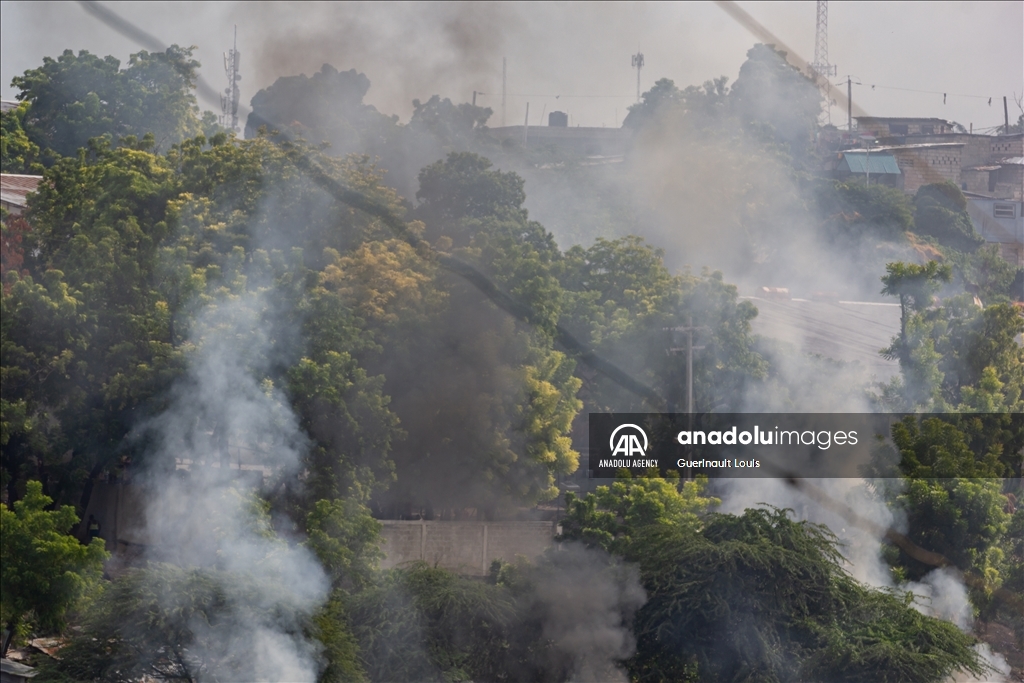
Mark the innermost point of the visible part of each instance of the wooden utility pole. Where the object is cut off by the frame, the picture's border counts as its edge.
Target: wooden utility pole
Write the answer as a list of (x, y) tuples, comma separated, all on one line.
[(690, 348), (849, 104), (1006, 117)]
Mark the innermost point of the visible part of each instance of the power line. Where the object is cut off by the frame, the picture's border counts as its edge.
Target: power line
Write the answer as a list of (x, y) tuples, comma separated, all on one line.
[(927, 92), (621, 97)]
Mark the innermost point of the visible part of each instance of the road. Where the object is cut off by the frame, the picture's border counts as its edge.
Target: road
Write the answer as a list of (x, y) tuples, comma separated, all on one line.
[(842, 330)]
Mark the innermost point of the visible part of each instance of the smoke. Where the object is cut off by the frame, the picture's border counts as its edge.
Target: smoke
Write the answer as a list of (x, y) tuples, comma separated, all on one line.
[(223, 432), (588, 599), (999, 670)]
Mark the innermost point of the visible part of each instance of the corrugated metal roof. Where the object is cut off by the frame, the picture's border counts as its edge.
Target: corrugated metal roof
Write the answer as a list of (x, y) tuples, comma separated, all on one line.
[(15, 187), (863, 162)]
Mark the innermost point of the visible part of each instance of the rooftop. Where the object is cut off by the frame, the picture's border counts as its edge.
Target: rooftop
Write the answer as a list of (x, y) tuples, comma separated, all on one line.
[(863, 162), (902, 119), (15, 188)]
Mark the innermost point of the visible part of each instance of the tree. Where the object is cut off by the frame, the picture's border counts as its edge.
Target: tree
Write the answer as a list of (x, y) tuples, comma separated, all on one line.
[(462, 186), (952, 496), (940, 210), (43, 570), (18, 154), (198, 624), (915, 286), (663, 95), (428, 624), (853, 208), (449, 123), (758, 596), (775, 98), (75, 98)]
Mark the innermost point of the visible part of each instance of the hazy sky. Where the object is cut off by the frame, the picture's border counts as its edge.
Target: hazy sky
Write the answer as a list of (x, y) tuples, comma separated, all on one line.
[(579, 52)]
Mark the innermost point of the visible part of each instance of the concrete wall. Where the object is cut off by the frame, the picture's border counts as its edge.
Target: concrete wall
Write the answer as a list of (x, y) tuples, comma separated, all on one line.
[(926, 165), (464, 547), (1006, 146), (1006, 232)]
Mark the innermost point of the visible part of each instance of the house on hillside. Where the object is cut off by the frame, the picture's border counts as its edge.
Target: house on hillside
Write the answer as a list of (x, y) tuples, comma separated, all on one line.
[(14, 191), (1000, 222), (926, 163), (895, 126), (878, 168)]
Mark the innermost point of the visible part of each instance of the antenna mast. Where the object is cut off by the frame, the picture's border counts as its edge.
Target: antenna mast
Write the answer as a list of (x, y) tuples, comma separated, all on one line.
[(638, 63), (229, 100), (823, 71), (504, 87)]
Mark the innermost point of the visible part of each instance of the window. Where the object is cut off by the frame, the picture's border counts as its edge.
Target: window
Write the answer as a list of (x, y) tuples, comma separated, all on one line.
[(1004, 211), (927, 130), (898, 129)]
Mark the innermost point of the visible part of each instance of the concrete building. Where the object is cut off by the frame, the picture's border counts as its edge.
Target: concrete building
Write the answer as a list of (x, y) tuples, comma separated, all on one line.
[(876, 168), (14, 191), (892, 126), (1000, 222), (923, 164)]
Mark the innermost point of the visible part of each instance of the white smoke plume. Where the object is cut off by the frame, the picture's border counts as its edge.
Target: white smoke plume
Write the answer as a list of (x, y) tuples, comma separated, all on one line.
[(223, 431)]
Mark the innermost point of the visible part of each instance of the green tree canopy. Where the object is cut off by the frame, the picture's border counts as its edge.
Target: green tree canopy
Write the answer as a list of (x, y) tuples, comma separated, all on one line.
[(18, 154), (940, 211), (75, 98), (757, 597), (43, 569)]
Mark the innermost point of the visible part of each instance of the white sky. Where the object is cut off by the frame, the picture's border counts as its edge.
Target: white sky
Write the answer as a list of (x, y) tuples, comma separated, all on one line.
[(415, 50)]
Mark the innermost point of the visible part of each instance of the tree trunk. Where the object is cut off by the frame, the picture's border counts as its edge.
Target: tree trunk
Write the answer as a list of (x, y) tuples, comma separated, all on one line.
[(11, 625)]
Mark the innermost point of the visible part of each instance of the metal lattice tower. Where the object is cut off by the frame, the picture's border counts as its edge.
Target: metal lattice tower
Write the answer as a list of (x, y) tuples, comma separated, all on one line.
[(638, 63), (229, 100), (820, 65)]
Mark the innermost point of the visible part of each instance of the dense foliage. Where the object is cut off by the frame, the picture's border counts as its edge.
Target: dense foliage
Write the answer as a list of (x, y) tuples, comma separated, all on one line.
[(156, 243)]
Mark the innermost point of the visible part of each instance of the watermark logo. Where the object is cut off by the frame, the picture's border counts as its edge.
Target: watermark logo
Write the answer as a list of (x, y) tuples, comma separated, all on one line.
[(628, 443)]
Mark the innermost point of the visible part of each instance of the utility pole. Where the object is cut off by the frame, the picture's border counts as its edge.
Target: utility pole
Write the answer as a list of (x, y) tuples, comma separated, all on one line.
[(526, 124), (504, 88), (690, 348), (849, 104), (1006, 117), (638, 63), (474, 98)]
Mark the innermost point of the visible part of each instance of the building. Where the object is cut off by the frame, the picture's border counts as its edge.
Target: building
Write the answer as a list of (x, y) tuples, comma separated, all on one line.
[(14, 191), (987, 162), (893, 126), (874, 167), (926, 163), (1000, 222)]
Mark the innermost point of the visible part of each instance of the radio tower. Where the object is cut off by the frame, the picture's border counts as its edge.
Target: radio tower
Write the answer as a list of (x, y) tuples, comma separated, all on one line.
[(638, 63), (820, 66), (229, 100), (823, 71)]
